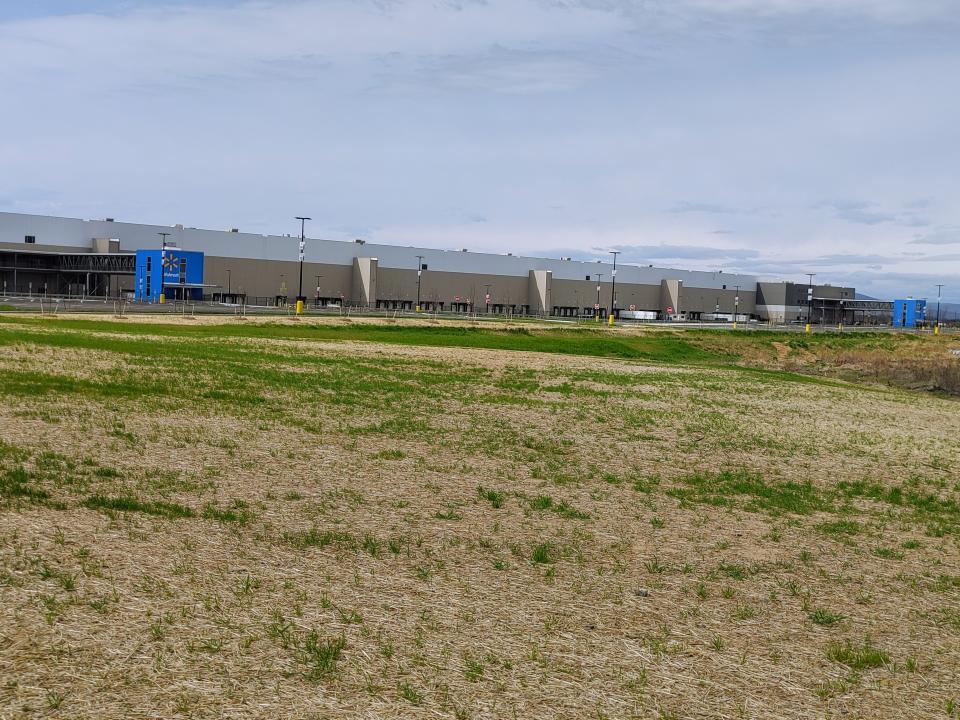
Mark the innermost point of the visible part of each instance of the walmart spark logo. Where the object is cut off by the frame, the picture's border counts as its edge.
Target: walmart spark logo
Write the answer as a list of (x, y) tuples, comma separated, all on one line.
[(171, 263)]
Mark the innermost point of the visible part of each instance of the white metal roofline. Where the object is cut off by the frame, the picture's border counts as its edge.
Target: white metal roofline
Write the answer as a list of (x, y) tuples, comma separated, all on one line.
[(125, 253)]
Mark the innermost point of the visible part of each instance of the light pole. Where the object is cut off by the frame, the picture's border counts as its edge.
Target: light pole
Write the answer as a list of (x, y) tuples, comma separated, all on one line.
[(419, 278), (936, 328), (163, 263), (596, 310), (810, 277), (318, 290), (486, 297), (736, 306), (229, 293), (613, 286), (303, 245)]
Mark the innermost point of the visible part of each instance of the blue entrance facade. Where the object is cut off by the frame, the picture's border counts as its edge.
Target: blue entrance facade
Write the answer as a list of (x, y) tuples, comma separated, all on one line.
[(909, 313), (176, 273)]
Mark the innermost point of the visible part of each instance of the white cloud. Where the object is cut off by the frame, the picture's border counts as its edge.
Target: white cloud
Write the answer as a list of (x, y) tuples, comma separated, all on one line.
[(197, 43), (948, 235), (884, 10), (562, 123)]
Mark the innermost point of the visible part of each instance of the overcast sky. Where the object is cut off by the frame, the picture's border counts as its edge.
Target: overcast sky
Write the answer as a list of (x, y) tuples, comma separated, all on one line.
[(772, 136)]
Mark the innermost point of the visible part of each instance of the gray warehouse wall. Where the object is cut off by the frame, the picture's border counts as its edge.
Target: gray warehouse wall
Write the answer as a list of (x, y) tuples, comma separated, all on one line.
[(266, 266), (77, 235)]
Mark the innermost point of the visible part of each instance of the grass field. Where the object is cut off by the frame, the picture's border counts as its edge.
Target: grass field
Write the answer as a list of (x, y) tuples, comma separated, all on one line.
[(357, 520)]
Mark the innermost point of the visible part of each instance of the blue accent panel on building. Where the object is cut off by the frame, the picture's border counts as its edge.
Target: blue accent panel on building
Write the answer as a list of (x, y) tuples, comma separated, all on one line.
[(909, 313), (172, 272)]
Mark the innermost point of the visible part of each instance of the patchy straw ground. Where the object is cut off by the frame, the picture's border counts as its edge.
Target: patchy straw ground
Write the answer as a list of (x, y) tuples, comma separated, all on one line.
[(270, 527)]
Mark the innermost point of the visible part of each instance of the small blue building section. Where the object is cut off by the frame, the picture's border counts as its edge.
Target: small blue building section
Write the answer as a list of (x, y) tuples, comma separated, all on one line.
[(909, 313), (176, 273)]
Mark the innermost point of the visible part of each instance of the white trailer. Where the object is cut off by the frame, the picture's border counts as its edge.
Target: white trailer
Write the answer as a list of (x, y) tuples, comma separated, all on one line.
[(724, 317), (638, 315)]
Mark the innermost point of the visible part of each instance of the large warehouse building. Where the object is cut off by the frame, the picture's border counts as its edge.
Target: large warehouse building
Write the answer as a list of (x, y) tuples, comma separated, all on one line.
[(65, 256)]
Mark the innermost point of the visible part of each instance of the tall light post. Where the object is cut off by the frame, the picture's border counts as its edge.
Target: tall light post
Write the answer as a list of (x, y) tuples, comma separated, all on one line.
[(228, 282), (318, 290), (736, 306), (303, 245), (937, 326), (419, 279), (613, 286), (596, 310), (810, 277), (486, 297)]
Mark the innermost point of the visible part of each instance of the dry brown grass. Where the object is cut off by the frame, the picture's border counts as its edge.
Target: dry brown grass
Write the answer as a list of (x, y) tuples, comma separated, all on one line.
[(904, 359), (657, 604), (939, 373)]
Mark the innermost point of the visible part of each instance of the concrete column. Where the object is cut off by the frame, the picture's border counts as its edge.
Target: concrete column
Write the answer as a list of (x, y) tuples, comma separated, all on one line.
[(670, 295), (539, 291), (364, 290)]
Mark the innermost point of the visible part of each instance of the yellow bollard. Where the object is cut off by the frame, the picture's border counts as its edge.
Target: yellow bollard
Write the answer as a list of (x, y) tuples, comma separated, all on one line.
[(807, 328), (936, 330), (611, 321), (163, 298), (299, 307), (734, 324), (418, 308)]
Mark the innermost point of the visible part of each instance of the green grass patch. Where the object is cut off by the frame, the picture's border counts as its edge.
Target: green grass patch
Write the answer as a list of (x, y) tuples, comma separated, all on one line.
[(495, 498), (320, 539), (544, 553), (238, 512), (646, 484), (12, 453), (658, 346), (171, 511), (845, 528), (732, 487), (858, 656), (562, 508), (820, 616), (15, 483), (887, 553), (734, 571), (320, 654)]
